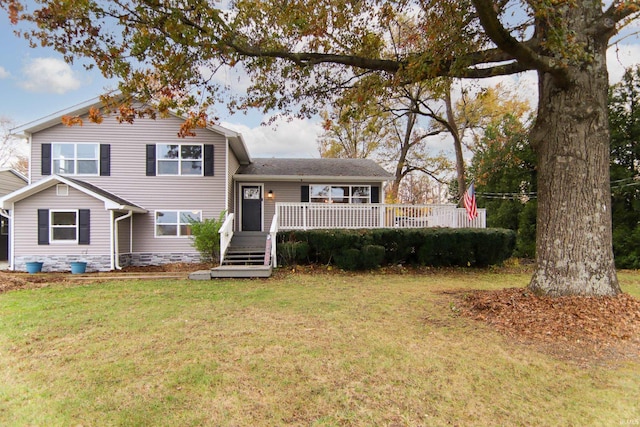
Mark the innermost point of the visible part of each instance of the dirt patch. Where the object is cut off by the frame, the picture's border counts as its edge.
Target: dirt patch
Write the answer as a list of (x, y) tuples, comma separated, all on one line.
[(581, 329), (178, 267), (12, 280)]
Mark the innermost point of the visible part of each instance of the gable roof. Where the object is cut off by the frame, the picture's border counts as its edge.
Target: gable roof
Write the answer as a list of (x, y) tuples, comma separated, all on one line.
[(236, 140), (16, 173), (111, 201), (325, 168)]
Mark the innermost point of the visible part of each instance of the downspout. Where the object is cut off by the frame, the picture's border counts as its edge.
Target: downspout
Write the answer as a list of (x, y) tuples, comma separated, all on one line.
[(117, 229), (112, 237), (7, 215)]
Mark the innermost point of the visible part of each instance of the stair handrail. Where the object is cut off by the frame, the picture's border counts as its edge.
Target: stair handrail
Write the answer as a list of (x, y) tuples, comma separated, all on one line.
[(226, 234), (273, 232)]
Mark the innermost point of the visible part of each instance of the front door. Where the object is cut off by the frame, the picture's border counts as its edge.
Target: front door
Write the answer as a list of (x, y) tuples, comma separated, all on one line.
[(4, 238), (251, 208)]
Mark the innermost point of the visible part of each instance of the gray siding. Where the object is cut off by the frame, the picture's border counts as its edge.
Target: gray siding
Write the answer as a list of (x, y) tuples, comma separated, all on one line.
[(9, 182), (128, 178), (26, 220), (286, 192)]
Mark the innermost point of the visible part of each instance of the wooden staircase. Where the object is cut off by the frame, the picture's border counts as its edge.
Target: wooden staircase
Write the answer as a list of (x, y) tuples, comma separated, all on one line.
[(246, 248), (245, 257)]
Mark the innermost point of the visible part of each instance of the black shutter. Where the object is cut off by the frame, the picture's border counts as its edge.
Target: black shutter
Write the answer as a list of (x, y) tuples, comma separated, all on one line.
[(208, 160), (45, 158), (43, 226), (83, 226), (375, 194), (105, 159), (304, 193), (151, 160)]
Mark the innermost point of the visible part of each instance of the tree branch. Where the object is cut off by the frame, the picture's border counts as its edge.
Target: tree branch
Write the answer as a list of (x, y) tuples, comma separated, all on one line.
[(527, 57)]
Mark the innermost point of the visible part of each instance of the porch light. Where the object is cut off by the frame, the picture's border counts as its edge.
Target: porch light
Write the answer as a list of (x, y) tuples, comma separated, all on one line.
[(270, 194)]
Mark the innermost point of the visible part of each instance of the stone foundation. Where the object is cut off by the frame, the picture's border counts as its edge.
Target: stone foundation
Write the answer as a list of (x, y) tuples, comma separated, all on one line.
[(61, 263)]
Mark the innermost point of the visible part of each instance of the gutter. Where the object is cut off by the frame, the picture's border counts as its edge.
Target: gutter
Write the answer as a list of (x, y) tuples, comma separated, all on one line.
[(115, 239)]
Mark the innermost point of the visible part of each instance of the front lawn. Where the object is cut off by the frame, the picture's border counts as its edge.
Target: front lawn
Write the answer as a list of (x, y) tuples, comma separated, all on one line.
[(299, 349)]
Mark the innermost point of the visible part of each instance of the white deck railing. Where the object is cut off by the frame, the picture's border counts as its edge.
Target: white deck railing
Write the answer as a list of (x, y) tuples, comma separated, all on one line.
[(306, 216), (226, 234), (273, 232)]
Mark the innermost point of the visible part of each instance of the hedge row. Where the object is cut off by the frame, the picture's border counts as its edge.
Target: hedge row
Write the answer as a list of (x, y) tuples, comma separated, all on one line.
[(366, 249)]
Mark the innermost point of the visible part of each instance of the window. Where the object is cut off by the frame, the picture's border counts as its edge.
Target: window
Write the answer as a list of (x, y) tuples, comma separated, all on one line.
[(179, 159), (340, 194), (64, 226), (175, 223), (75, 159)]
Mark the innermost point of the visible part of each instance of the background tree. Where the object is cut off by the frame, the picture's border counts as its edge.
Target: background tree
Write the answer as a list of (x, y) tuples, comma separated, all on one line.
[(368, 122), (166, 50), (504, 170), (13, 152), (624, 119), (352, 132)]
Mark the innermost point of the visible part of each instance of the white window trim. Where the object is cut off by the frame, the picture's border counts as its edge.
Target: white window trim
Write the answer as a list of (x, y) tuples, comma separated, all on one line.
[(62, 190), (178, 160), (51, 227), (350, 197), (177, 211), (75, 158)]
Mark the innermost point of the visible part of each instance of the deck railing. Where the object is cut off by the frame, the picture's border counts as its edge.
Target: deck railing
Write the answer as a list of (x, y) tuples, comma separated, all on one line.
[(226, 234), (306, 216)]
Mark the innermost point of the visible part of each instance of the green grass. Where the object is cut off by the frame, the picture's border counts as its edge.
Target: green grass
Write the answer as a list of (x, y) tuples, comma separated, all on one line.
[(312, 350)]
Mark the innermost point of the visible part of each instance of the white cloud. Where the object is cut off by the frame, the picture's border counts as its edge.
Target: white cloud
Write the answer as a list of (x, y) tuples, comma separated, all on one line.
[(293, 139), (4, 73), (49, 75), (620, 57)]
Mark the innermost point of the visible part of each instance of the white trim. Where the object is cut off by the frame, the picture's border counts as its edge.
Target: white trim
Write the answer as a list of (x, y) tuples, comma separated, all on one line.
[(75, 158), (62, 190), (179, 160), (51, 226), (350, 197), (177, 224), (115, 260), (226, 175), (241, 200), (43, 184), (113, 240)]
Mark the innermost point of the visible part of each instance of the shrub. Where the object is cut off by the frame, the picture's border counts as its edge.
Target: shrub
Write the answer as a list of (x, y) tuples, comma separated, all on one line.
[(372, 256), (353, 249), (349, 259), (293, 253), (206, 238)]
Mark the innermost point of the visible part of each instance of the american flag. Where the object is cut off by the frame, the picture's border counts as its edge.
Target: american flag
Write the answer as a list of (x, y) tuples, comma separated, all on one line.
[(469, 200)]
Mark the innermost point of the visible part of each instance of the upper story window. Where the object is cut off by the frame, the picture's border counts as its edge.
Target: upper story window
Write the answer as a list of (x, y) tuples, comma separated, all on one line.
[(75, 158), (179, 159), (68, 158), (340, 194), (175, 223)]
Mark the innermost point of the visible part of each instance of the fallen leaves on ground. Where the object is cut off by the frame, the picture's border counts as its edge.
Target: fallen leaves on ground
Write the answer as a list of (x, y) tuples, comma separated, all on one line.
[(571, 327)]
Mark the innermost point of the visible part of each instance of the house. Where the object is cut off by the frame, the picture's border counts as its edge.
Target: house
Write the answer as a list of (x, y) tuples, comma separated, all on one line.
[(119, 194), (10, 180)]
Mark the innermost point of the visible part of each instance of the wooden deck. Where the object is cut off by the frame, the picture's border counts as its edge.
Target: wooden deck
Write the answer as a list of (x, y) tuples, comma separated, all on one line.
[(245, 258)]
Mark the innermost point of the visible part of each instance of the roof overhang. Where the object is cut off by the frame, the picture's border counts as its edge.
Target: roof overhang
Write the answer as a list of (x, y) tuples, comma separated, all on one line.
[(236, 141), (7, 201), (308, 178)]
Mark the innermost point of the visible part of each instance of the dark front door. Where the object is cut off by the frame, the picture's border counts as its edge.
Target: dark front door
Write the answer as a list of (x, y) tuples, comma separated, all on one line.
[(251, 208), (4, 238)]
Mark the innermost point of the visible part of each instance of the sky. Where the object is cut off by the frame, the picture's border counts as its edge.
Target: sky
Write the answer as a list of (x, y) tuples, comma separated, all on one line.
[(36, 82)]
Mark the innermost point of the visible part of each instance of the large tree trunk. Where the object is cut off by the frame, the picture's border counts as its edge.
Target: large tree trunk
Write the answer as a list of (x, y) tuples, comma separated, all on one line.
[(571, 137)]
